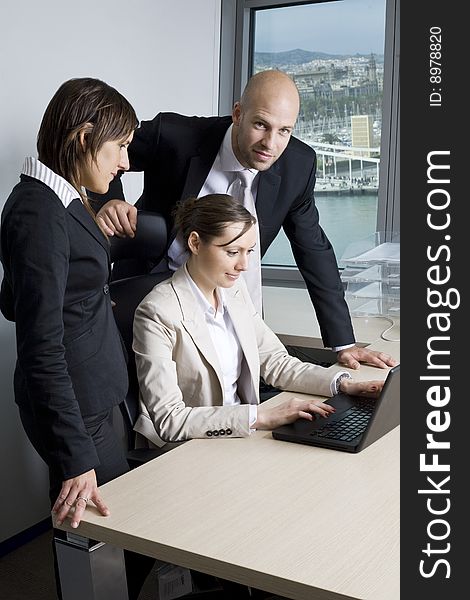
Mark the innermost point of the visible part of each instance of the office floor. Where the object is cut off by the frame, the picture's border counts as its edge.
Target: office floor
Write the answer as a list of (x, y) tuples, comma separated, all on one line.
[(27, 573)]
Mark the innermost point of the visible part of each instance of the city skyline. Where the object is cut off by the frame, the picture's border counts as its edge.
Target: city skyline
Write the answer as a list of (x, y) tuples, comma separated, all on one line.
[(309, 27)]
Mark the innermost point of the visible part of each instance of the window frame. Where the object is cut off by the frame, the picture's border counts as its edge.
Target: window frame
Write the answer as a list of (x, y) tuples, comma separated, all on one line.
[(236, 45)]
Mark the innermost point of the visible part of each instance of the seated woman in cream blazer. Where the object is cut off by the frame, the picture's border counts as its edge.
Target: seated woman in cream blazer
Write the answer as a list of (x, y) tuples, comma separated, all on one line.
[(200, 346)]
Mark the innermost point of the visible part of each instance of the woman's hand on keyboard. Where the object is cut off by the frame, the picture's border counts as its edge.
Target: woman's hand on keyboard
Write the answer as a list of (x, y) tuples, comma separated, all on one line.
[(289, 411)]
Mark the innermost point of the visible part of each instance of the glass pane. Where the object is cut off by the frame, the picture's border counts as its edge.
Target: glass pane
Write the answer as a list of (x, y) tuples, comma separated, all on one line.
[(335, 53)]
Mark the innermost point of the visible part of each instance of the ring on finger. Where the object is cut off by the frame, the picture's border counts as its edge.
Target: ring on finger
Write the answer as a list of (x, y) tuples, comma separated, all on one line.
[(82, 498)]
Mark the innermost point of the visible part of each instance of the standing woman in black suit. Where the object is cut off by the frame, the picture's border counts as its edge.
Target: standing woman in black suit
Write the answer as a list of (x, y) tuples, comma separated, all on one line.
[(71, 369)]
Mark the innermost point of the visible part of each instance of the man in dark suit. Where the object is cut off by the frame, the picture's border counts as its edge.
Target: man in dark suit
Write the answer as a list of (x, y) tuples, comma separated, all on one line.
[(183, 156)]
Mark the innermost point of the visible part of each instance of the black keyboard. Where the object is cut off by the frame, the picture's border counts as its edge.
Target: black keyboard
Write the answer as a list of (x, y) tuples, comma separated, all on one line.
[(352, 424)]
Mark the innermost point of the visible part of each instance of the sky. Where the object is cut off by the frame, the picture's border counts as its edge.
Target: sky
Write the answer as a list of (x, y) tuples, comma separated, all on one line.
[(338, 27)]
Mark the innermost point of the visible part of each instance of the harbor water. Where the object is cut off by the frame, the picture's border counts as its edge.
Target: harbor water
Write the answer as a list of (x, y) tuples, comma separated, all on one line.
[(344, 218)]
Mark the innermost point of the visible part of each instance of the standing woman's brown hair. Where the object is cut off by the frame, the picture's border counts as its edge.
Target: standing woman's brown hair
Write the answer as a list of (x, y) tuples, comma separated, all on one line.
[(82, 109)]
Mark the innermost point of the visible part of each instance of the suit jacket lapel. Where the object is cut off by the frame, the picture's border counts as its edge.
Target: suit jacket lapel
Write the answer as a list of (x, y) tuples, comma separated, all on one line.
[(199, 167), (201, 163), (237, 310), (266, 197), (194, 322), (80, 213)]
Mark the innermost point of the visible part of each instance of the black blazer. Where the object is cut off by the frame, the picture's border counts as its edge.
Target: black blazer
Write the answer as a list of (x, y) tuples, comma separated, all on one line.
[(176, 154), (55, 287)]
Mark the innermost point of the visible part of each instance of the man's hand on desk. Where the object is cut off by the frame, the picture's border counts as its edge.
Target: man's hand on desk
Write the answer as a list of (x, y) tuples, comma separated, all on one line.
[(367, 389), (352, 357), (119, 218)]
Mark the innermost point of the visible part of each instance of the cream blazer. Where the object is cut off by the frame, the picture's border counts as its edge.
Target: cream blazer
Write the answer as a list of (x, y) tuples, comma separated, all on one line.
[(180, 378)]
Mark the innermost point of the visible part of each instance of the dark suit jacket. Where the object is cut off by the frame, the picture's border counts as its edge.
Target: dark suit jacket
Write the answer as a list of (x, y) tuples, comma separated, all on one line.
[(176, 154), (55, 287)]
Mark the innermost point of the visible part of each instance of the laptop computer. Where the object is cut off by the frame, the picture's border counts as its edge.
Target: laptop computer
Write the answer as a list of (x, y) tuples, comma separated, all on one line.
[(356, 424)]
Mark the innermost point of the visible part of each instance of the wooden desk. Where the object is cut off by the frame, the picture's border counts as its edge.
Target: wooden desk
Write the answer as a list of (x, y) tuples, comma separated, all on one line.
[(303, 522)]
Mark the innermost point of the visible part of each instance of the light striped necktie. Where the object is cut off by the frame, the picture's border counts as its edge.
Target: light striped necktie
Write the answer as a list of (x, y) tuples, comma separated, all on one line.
[(253, 274)]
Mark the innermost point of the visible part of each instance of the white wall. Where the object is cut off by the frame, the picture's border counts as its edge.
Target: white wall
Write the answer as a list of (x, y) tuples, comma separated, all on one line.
[(162, 55)]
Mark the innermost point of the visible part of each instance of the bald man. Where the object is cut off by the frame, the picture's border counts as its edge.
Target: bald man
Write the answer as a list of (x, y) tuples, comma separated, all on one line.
[(193, 156)]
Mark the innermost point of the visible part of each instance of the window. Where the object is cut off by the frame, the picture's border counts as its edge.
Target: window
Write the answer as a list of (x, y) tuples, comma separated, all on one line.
[(341, 55)]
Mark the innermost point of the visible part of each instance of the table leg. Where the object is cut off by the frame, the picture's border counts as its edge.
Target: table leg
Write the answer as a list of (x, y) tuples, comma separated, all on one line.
[(90, 569)]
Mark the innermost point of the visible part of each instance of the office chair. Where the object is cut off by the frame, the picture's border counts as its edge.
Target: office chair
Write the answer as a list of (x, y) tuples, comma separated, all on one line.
[(130, 283), (138, 255)]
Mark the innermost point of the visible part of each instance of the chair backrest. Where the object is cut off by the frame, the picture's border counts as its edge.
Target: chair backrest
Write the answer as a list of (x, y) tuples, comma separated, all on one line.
[(137, 255), (127, 294), (149, 244)]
